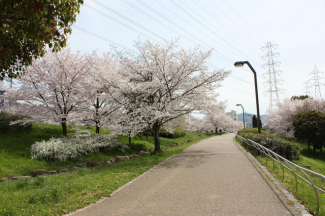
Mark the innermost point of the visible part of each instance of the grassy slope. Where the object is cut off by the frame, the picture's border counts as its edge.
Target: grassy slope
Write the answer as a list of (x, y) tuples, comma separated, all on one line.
[(58, 194), (305, 193)]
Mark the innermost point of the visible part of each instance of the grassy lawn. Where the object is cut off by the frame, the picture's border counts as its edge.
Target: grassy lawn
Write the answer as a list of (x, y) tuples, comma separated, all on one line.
[(305, 193), (62, 193)]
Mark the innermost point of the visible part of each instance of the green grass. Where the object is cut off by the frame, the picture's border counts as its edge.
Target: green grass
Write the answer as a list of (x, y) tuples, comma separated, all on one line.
[(62, 193), (305, 193), (15, 150)]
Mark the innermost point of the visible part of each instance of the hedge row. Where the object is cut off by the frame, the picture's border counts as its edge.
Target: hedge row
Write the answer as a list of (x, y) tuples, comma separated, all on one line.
[(285, 148)]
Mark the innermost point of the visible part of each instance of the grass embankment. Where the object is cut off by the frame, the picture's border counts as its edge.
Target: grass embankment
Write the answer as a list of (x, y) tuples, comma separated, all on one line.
[(305, 193), (62, 193)]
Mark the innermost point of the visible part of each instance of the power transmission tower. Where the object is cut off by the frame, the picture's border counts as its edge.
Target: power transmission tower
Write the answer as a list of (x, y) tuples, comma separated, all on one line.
[(272, 73), (315, 79)]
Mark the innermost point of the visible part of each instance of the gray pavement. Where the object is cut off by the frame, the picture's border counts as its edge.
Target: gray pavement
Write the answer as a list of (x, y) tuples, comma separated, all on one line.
[(212, 177)]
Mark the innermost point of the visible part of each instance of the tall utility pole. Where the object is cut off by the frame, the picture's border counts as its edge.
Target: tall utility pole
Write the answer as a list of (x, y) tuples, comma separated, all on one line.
[(271, 74), (315, 79)]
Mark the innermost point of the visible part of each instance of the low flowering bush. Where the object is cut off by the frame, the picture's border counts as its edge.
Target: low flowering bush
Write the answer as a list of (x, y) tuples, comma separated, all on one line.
[(64, 149)]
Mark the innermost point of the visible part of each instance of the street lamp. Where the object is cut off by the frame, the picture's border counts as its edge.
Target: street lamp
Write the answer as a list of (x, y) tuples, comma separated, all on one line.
[(243, 114), (241, 64)]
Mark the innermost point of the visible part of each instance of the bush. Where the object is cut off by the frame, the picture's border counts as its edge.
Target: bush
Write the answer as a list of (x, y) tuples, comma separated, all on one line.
[(6, 118), (179, 132), (310, 126), (165, 133), (252, 130), (283, 147), (63, 149)]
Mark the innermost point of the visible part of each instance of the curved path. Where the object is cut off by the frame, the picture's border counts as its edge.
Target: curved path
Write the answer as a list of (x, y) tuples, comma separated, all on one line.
[(212, 177)]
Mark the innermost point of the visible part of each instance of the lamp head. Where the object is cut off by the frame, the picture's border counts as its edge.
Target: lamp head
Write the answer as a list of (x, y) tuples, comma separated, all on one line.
[(238, 104), (239, 64)]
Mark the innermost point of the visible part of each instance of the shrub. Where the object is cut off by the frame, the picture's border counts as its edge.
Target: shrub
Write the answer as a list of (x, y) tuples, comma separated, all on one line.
[(251, 130), (165, 133), (179, 132), (283, 147), (6, 118), (63, 149)]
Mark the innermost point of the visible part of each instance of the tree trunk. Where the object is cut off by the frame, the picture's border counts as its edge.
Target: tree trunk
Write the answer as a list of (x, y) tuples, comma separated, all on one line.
[(97, 117), (64, 126), (130, 141), (97, 128), (216, 130), (156, 129)]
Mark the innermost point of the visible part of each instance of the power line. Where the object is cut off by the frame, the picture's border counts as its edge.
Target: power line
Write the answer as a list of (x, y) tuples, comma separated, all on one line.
[(215, 67), (236, 90), (129, 20), (242, 29), (177, 32), (204, 44), (121, 23), (170, 21), (212, 16), (256, 33), (112, 42), (100, 37), (127, 48), (203, 24)]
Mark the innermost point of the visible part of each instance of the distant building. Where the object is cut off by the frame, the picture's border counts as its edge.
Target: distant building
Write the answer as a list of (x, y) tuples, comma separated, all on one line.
[(232, 114)]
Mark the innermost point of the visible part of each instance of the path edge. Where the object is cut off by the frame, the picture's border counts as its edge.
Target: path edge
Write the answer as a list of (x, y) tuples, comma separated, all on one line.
[(278, 185), (120, 188)]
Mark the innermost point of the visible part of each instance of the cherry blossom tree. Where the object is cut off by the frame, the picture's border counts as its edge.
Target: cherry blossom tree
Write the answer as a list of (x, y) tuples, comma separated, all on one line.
[(280, 121), (165, 82), (53, 89), (102, 97), (217, 121)]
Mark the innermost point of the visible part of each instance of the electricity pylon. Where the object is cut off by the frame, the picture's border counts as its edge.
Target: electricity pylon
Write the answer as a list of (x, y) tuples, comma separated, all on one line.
[(315, 79), (271, 75)]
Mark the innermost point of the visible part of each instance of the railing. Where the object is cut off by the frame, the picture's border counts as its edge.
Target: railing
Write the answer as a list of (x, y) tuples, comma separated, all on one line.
[(284, 163)]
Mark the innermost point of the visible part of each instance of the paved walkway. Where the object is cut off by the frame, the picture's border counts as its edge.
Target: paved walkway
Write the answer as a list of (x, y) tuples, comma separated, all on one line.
[(212, 177)]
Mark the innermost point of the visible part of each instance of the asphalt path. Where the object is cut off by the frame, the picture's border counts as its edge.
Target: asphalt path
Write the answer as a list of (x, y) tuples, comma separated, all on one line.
[(212, 177)]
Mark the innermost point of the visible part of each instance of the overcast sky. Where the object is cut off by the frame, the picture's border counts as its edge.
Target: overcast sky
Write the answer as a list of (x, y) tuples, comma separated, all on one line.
[(235, 30)]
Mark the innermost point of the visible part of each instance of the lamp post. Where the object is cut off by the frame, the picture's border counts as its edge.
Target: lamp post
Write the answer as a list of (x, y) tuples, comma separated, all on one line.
[(243, 114), (241, 64)]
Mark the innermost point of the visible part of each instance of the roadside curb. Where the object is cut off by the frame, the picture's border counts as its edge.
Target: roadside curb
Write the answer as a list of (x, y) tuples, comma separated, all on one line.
[(278, 185)]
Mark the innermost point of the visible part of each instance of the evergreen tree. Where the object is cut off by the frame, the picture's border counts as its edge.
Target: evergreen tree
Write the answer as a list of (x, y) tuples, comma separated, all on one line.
[(254, 121)]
